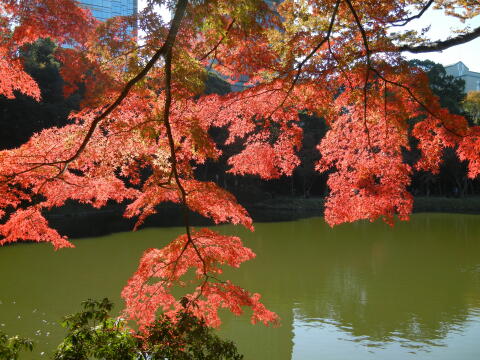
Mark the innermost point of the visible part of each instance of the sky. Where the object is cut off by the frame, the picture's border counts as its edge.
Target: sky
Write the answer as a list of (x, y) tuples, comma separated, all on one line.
[(441, 28)]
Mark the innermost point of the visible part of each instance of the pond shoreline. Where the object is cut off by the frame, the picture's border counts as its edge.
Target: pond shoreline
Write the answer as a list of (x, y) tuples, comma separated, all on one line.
[(77, 220)]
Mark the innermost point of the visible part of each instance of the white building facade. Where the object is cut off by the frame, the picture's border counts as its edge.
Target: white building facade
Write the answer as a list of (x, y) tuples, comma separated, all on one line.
[(461, 71)]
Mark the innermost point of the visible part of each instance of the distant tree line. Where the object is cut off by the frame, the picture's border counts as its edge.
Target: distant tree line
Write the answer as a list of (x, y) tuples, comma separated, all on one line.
[(23, 116)]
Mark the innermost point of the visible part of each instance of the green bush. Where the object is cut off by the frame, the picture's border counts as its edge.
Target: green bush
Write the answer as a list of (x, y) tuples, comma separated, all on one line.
[(10, 347), (94, 334)]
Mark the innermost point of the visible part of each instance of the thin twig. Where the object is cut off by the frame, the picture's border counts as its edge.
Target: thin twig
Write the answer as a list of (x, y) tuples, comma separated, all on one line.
[(308, 57), (416, 99), (214, 49), (403, 22), (367, 74)]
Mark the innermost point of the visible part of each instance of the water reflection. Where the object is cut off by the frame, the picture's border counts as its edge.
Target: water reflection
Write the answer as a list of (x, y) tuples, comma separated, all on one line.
[(360, 291), (409, 288), (316, 339)]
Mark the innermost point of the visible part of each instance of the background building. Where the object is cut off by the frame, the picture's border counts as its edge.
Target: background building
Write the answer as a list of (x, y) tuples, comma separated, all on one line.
[(105, 9), (460, 70)]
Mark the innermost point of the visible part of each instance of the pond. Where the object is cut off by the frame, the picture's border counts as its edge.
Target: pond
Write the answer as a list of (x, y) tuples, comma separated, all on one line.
[(358, 291)]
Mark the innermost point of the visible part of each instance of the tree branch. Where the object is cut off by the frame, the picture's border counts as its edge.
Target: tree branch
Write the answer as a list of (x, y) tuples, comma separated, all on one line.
[(173, 156), (416, 99), (404, 22), (214, 49), (304, 61), (319, 45), (367, 73), (440, 45)]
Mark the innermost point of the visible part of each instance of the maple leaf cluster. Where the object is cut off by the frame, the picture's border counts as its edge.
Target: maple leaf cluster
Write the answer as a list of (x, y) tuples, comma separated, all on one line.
[(145, 123)]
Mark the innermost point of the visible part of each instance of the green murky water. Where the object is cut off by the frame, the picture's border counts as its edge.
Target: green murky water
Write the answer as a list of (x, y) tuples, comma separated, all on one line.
[(359, 291)]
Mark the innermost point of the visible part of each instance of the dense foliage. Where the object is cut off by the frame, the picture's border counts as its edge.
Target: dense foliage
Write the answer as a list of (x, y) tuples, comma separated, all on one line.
[(11, 347), (472, 106), (94, 334), (145, 124), (23, 116)]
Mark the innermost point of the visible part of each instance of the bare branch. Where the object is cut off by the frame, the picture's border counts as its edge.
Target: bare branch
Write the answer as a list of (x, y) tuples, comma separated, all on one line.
[(403, 22), (440, 45)]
